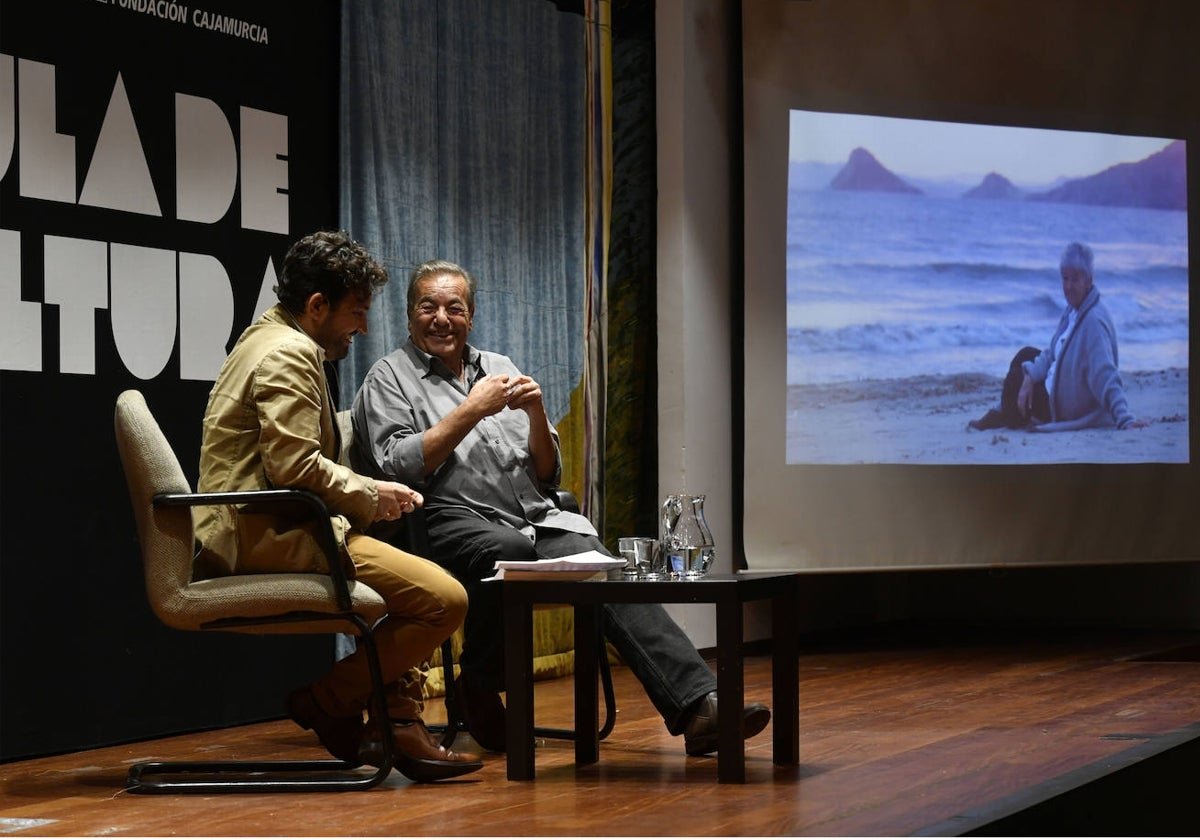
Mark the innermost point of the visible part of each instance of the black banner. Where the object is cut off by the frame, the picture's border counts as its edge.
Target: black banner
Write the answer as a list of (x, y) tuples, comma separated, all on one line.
[(156, 161)]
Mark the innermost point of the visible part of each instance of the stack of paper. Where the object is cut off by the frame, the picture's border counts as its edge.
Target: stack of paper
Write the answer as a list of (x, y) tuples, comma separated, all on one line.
[(586, 566)]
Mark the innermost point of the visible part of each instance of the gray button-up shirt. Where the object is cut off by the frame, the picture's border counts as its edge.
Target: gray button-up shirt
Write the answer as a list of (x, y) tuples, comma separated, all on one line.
[(490, 472)]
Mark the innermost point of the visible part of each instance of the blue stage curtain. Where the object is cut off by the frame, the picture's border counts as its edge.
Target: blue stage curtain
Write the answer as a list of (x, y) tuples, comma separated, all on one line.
[(463, 136)]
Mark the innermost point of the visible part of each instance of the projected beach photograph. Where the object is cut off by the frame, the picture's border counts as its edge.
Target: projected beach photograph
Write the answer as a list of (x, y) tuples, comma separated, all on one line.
[(923, 256)]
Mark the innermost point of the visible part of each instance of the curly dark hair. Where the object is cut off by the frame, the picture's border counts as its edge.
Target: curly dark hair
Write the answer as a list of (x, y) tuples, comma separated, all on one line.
[(329, 262)]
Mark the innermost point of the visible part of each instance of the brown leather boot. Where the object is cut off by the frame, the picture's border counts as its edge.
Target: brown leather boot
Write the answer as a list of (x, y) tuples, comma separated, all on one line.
[(415, 752), (342, 736)]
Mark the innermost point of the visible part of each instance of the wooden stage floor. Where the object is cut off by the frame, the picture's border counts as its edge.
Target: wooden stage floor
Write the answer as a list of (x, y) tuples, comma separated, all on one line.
[(897, 737)]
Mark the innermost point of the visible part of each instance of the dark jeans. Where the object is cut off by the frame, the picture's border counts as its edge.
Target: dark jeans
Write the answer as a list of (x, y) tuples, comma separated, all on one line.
[(656, 650)]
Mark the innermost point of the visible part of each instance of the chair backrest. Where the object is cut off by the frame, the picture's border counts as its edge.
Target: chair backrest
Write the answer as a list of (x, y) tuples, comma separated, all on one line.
[(165, 533)]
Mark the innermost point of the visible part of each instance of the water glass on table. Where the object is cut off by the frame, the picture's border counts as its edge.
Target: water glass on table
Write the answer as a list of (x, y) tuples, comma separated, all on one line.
[(643, 558)]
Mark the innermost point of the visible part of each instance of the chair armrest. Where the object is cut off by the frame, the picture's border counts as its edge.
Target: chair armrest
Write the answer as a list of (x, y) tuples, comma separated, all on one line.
[(324, 531), (563, 499)]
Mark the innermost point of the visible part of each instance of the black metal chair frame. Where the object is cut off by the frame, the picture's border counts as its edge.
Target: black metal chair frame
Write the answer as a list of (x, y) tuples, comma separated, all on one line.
[(274, 775), (279, 775)]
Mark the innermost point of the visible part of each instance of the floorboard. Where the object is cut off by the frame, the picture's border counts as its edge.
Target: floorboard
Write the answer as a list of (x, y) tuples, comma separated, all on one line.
[(918, 736)]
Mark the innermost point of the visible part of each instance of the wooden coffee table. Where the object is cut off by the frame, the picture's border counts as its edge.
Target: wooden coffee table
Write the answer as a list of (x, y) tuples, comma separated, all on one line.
[(727, 592)]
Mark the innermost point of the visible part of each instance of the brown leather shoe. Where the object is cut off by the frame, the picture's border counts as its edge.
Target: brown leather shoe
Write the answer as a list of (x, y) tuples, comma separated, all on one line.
[(416, 753), (700, 737), (342, 736), (484, 715)]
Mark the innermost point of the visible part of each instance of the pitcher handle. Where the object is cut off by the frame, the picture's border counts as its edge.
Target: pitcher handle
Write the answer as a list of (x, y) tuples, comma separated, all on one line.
[(672, 508)]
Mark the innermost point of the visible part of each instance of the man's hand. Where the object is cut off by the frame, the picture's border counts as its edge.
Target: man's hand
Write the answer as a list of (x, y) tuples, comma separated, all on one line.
[(1025, 396), (395, 500), (525, 394), (490, 395)]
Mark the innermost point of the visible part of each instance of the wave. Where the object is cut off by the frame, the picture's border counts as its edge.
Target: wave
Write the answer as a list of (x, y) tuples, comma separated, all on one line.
[(984, 342), (814, 271), (901, 339), (904, 339), (883, 287)]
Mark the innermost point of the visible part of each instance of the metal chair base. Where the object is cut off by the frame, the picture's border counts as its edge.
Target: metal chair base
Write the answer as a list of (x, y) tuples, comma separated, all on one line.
[(250, 776)]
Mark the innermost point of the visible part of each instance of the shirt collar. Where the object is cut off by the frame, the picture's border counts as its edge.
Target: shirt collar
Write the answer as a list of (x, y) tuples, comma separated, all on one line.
[(472, 362)]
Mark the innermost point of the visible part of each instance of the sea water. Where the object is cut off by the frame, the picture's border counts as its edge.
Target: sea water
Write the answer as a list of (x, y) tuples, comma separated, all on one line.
[(881, 285)]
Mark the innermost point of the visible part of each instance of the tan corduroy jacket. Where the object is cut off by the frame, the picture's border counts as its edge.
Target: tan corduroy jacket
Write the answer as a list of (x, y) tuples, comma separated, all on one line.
[(270, 424)]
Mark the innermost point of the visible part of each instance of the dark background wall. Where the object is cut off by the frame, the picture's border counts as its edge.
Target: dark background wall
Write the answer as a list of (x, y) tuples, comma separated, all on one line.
[(82, 660)]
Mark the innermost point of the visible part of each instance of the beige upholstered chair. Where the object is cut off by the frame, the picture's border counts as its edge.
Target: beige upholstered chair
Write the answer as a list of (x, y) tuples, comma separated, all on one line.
[(261, 603)]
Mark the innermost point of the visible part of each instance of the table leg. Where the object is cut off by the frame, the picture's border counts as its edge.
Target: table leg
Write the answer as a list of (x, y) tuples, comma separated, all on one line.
[(731, 749), (587, 666), (518, 676), (785, 678)]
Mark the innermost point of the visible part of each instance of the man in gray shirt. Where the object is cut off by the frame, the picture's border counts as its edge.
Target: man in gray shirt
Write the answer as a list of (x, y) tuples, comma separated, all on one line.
[(468, 430)]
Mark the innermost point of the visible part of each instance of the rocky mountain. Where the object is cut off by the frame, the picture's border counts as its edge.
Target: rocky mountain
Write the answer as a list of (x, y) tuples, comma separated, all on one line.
[(1158, 182), (864, 173), (995, 186)]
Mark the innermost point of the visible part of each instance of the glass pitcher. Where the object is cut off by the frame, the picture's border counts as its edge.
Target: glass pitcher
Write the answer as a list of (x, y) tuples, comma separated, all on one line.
[(686, 541)]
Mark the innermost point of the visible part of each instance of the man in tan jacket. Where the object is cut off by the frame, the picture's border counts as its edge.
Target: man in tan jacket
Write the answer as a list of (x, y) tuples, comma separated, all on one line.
[(270, 423)]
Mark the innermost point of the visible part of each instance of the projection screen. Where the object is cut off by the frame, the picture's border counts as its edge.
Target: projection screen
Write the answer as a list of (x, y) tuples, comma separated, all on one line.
[(914, 174)]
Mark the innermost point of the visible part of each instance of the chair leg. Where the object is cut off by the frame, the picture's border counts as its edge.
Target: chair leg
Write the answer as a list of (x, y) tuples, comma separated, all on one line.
[(277, 776), (455, 722), (610, 697), (610, 704)]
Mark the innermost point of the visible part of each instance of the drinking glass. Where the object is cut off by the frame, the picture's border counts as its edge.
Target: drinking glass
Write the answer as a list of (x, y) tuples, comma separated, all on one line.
[(643, 559)]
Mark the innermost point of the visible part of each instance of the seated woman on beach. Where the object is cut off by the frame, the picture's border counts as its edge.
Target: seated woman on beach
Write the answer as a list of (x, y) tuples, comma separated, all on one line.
[(1073, 383)]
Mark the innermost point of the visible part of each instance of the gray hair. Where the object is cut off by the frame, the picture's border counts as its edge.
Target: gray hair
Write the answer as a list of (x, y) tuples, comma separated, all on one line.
[(1077, 256), (435, 267)]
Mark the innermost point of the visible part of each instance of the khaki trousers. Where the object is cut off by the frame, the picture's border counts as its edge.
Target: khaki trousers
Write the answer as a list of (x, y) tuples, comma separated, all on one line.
[(425, 605)]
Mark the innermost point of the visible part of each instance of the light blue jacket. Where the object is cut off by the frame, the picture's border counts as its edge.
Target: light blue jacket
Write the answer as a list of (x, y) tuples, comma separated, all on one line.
[(1087, 387)]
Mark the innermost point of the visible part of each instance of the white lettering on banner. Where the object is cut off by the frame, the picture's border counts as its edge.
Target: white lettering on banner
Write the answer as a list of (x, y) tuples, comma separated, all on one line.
[(47, 166), (154, 292), (199, 18), (164, 9), (76, 279), (206, 160), (205, 316), (229, 26), (264, 171), (143, 307), (20, 321), (266, 290), (8, 122), (157, 298), (118, 177)]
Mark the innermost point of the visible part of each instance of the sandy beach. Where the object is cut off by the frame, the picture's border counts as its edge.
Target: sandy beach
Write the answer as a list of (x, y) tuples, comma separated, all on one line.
[(923, 420)]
